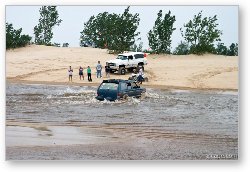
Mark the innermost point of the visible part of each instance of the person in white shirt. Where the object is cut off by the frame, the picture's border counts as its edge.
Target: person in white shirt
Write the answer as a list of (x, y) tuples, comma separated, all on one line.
[(140, 75), (70, 71)]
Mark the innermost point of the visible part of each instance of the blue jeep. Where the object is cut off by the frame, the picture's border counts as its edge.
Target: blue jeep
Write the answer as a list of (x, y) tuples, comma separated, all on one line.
[(113, 89)]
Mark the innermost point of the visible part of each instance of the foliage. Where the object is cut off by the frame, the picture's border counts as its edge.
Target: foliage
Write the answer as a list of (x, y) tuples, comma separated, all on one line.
[(160, 36), (49, 17), (181, 49), (112, 31), (201, 33), (233, 50), (14, 38), (65, 44), (221, 49)]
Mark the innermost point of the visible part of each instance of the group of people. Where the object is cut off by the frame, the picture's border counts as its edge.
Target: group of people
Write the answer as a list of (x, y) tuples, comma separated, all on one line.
[(98, 72), (70, 72)]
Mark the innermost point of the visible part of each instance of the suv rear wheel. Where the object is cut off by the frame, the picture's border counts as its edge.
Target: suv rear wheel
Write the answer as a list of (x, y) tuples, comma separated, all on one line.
[(122, 71)]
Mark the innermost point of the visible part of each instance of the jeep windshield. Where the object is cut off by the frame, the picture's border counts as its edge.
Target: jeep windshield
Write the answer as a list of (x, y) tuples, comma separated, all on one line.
[(109, 86), (122, 57)]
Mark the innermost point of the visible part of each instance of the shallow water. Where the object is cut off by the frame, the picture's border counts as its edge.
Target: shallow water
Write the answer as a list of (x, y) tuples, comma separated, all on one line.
[(165, 124), (186, 111)]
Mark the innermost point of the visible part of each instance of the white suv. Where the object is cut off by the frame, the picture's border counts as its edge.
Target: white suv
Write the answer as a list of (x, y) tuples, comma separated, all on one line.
[(127, 61)]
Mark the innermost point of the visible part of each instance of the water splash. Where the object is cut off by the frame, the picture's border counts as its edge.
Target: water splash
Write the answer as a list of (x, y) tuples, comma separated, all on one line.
[(153, 95)]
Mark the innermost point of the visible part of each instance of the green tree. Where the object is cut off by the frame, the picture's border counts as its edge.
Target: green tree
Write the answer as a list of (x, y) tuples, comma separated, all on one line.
[(87, 35), (160, 36), (49, 17), (221, 49), (112, 31), (201, 33), (126, 31), (14, 38), (99, 30), (181, 49), (233, 50)]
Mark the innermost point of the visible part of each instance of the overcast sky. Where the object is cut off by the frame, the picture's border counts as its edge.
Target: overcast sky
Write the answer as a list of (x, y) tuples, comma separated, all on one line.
[(26, 17)]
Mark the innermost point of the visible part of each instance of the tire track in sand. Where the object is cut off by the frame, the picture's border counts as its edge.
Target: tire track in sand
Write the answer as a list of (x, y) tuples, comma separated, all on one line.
[(23, 76), (197, 80)]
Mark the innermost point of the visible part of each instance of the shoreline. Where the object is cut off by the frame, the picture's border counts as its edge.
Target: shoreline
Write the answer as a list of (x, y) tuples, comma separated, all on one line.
[(161, 87)]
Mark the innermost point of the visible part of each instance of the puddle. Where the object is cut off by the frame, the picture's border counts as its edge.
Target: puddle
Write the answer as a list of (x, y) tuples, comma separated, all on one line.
[(53, 135)]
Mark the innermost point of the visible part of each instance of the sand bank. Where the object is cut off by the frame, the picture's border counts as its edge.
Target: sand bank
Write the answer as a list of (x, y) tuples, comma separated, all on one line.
[(48, 65)]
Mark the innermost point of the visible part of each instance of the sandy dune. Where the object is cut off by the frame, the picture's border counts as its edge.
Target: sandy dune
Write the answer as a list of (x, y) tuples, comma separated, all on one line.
[(43, 64)]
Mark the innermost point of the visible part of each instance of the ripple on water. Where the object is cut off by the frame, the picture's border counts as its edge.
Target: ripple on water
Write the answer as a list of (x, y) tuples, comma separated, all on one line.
[(178, 110)]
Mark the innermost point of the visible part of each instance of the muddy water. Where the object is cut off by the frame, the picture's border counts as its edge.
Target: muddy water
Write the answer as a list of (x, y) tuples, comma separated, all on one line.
[(207, 118)]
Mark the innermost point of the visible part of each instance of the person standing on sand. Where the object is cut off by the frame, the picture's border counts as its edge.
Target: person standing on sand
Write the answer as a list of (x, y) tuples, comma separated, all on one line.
[(70, 71), (81, 73), (98, 70), (89, 74)]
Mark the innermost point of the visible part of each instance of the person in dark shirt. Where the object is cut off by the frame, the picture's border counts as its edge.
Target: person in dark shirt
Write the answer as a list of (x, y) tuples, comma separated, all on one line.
[(81, 73), (89, 74)]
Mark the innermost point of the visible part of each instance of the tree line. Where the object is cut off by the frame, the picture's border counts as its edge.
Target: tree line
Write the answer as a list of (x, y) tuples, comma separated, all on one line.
[(14, 38), (118, 33)]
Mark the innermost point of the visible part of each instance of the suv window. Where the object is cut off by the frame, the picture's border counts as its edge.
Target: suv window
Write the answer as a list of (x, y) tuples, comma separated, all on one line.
[(109, 86), (123, 86), (122, 57), (130, 57), (129, 86), (139, 56)]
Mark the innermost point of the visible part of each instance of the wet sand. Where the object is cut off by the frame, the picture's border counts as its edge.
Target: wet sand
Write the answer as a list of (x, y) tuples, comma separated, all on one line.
[(36, 135), (101, 145)]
